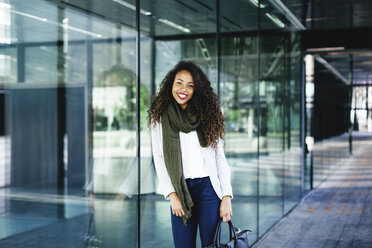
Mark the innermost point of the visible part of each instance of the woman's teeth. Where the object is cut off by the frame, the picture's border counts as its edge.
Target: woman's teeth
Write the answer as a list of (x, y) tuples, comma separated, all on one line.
[(182, 96)]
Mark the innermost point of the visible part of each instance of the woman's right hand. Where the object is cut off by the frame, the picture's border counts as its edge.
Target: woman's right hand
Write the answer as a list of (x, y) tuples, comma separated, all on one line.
[(177, 208)]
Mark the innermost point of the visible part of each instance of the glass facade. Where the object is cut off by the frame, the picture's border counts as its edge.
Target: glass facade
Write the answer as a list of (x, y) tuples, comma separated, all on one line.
[(76, 80)]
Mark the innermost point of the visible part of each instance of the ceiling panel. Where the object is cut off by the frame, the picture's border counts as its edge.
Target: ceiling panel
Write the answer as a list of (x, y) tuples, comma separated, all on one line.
[(361, 64), (333, 14)]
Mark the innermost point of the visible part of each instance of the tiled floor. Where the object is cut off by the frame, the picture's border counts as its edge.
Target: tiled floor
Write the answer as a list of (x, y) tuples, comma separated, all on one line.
[(338, 213), (42, 218)]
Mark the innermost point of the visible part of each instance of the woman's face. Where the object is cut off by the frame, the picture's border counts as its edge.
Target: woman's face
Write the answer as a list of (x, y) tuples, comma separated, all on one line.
[(183, 88)]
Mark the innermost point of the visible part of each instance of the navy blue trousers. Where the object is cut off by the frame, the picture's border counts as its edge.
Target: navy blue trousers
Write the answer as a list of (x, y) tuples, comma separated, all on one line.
[(205, 214)]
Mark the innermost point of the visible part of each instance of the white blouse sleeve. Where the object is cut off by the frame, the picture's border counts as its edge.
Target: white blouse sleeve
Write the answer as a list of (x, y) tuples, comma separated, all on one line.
[(223, 170), (165, 185)]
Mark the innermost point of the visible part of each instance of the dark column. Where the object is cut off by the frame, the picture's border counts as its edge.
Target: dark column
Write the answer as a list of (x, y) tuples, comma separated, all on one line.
[(61, 105), (258, 113), (350, 100), (303, 127)]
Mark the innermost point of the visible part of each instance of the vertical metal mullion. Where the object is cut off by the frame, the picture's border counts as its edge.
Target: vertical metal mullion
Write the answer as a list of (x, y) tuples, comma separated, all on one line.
[(153, 62), (367, 103), (61, 106), (303, 123), (351, 79), (20, 63), (61, 89), (288, 87), (89, 106), (138, 131), (257, 92), (20, 50), (286, 117)]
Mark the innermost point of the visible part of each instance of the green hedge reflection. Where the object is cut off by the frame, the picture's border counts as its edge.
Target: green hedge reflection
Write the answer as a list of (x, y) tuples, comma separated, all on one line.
[(124, 110)]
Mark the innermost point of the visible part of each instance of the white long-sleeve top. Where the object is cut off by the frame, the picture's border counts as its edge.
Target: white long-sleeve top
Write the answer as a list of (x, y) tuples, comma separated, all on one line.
[(197, 162), (193, 163)]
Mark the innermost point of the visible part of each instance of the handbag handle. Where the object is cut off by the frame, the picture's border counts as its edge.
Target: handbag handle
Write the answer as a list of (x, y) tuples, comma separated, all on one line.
[(217, 235)]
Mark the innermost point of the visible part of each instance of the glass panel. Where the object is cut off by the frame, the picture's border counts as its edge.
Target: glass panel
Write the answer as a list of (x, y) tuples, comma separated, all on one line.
[(280, 153), (240, 16), (8, 64), (34, 21), (40, 60), (271, 162), (68, 115), (68, 164), (115, 170), (292, 141), (238, 99)]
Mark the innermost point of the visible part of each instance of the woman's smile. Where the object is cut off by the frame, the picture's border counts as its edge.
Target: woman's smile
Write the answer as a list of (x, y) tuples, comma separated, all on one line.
[(182, 96), (183, 88)]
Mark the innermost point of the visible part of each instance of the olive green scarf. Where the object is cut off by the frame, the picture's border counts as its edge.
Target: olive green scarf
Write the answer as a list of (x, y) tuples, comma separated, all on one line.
[(175, 120)]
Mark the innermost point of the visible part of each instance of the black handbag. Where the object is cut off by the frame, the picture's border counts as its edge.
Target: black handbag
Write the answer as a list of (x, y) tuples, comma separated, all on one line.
[(238, 239)]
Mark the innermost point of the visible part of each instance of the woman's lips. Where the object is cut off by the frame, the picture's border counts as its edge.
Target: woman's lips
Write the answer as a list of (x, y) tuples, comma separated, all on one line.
[(182, 96)]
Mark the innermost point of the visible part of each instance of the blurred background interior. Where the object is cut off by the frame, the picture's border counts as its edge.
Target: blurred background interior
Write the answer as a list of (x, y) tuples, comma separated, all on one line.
[(77, 76)]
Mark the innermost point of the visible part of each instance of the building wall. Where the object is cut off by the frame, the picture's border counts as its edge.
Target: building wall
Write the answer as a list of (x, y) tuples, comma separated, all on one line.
[(74, 125)]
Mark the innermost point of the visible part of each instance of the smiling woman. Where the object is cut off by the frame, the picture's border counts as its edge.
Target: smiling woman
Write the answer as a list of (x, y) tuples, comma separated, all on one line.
[(195, 180)]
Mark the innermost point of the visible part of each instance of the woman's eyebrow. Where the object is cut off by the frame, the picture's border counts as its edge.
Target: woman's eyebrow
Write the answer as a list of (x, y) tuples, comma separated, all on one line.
[(191, 82)]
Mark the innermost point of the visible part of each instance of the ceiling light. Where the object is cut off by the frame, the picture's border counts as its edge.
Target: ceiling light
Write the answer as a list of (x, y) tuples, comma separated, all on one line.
[(132, 7), (279, 5), (325, 49), (30, 16), (276, 20), (255, 3), (5, 5), (174, 25), (58, 24)]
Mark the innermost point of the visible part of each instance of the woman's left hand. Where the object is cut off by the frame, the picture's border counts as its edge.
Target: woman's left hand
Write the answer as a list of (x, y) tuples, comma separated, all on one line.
[(225, 208)]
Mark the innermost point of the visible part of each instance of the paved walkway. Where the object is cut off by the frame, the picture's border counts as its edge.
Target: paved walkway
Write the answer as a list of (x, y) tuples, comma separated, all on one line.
[(337, 214)]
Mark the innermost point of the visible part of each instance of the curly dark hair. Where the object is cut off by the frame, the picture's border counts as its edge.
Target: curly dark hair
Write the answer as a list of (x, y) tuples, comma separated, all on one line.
[(204, 102)]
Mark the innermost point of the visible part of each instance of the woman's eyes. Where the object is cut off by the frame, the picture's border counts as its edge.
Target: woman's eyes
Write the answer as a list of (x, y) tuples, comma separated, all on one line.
[(189, 85)]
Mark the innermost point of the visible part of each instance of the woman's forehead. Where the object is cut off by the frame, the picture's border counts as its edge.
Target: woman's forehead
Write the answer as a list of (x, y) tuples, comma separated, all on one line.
[(184, 76)]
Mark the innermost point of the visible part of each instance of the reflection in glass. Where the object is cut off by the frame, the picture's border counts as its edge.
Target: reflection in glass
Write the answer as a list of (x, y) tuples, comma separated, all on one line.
[(68, 103), (272, 88), (238, 96), (68, 107), (292, 113)]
